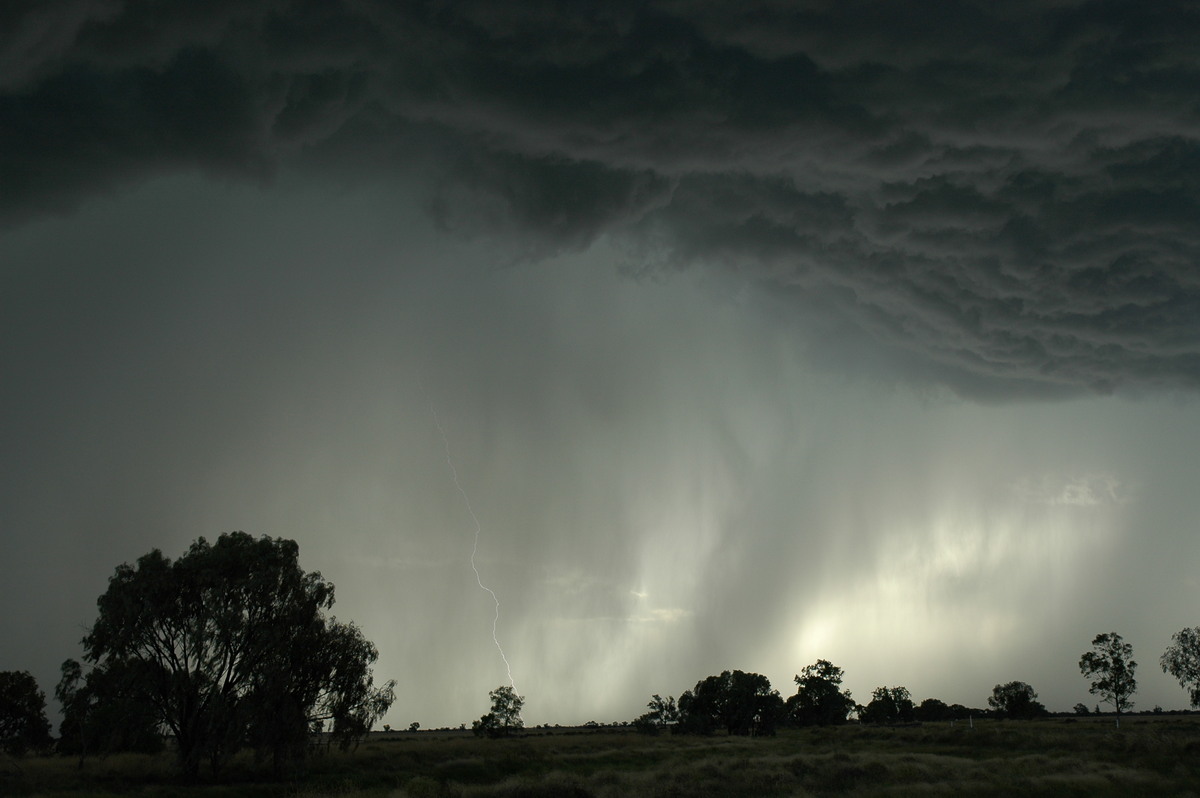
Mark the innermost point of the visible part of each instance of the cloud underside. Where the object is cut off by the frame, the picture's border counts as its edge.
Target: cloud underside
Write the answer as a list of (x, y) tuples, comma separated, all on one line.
[(1000, 200)]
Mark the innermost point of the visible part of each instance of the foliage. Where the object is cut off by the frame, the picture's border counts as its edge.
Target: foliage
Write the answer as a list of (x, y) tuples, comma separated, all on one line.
[(663, 713), (1081, 709), (103, 712), (505, 717), (819, 701), (1110, 666), (230, 645), (958, 712), (326, 688), (740, 703), (932, 710), (23, 723), (892, 705), (1182, 660), (1015, 700)]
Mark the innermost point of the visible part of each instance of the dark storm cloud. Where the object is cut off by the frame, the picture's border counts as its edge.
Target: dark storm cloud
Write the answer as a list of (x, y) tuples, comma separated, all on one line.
[(999, 198)]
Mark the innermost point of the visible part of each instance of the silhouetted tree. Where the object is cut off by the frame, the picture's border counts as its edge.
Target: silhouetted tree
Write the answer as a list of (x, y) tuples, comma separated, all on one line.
[(23, 723), (74, 729), (505, 717), (105, 712), (932, 710), (1182, 660), (892, 705), (662, 713), (229, 644), (323, 685), (958, 712), (1081, 709), (1015, 700), (819, 700), (1110, 666), (738, 702)]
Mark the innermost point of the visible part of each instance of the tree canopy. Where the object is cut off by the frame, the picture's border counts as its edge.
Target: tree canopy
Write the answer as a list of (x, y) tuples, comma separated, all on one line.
[(230, 645), (505, 717), (23, 723), (932, 710), (1015, 700), (1110, 667), (888, 705), (1182, 660), (738, 702), (102, 711), (661, 714), (819, 699)]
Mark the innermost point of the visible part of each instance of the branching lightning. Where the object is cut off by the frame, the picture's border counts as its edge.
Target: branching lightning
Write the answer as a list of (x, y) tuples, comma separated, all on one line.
[(475, 546)]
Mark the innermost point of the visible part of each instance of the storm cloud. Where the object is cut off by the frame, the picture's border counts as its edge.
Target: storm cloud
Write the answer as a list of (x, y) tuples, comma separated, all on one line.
[(1004, 198), (759, 333)]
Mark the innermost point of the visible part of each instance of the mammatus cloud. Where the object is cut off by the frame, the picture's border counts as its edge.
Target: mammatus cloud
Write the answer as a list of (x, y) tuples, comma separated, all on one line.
[(1001, 199)]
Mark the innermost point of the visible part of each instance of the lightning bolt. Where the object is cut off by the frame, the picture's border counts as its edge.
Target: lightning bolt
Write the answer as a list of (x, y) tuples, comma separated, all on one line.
[(475, 547)]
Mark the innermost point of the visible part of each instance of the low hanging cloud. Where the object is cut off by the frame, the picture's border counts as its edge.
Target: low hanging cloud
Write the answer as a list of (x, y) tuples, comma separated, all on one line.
[(999, 199), (1080, 491)]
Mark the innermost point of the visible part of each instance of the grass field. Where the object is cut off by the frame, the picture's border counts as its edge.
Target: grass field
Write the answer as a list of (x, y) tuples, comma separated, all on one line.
[(1055, 757)]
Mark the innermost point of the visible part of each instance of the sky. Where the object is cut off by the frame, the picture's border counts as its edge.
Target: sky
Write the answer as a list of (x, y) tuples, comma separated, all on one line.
[(748, 334)]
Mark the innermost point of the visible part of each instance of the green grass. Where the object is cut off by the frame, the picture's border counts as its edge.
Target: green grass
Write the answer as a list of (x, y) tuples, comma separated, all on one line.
[(1054, 757)]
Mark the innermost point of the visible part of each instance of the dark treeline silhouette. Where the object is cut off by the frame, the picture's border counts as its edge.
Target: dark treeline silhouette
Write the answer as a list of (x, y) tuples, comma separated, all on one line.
[(888, 705), (734, 702), (227, 647), (744, 703)]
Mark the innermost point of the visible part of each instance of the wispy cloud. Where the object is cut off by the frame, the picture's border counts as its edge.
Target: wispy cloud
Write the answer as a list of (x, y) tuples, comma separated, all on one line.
[(1082, 490)]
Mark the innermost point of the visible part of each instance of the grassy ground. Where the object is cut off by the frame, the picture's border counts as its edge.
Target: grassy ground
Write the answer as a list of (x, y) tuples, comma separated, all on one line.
[(1159, 757)]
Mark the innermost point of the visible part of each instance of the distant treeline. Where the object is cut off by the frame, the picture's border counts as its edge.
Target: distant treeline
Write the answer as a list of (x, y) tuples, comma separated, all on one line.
[(744, 703), (229, 647)]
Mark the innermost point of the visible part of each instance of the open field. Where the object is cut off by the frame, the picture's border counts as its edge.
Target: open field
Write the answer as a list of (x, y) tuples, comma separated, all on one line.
[(1151, 757)]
